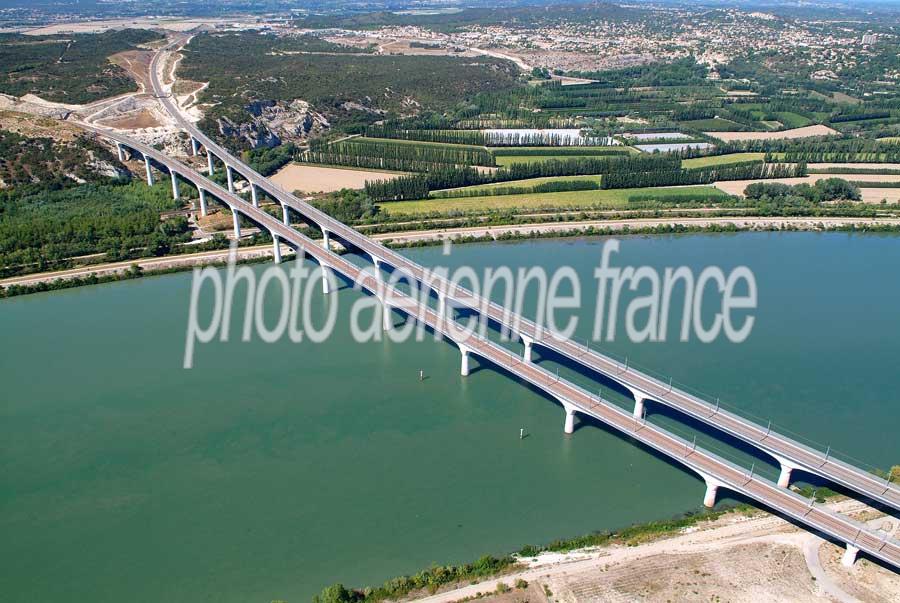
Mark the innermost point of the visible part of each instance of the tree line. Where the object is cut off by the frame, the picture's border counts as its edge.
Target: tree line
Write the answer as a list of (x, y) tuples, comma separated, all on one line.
[(705, 175), (557, 186), (396, 156), (419, 186)]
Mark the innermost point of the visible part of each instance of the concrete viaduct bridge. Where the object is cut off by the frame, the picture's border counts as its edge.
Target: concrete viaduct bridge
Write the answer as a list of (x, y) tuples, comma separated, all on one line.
[(790, 454), (716, 471)]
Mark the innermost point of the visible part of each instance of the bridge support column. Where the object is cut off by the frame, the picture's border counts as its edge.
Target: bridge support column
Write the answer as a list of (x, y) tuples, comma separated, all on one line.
[(529, 343), (285, 216), (230, 173), (202, 201), (276, 248), (569, 426), (195, 147), (209, 163), (237, 223), (175, 193), (784, 478), (712, 487), (638, 406), (464, 363), (442, 306), (326, 240), (148, 170), (121, 151), (325, 288), (254, 194), (849, 557), (386, 321)]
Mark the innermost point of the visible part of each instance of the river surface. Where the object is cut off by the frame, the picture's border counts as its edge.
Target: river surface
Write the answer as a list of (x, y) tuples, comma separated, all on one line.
[(271, 470)]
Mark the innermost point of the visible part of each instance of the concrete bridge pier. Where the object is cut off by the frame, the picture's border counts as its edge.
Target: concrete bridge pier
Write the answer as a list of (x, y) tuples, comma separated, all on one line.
[(230, 173), (569, 426), (237, 223), (121, 151), (209, 162), (175, 193), (326, 241), (325, 288), (712, 488), (195, 147), (784, 478), (849, 557), (202, 201), (254, 194), (149, 170), (464, 363), (276, 248), (529, 344), (386, 321), (639, 400), (285, 216)]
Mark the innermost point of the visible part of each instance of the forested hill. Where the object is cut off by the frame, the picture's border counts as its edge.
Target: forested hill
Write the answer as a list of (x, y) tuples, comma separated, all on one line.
[(26, 160), (72, 68), (349, 89)]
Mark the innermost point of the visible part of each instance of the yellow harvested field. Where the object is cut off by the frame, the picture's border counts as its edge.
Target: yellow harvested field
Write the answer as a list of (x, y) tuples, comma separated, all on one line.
[(869, 195), (804, 132), (318, 179)]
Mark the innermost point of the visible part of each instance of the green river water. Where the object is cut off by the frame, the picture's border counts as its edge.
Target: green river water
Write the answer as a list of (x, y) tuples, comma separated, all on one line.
[(270, 471)]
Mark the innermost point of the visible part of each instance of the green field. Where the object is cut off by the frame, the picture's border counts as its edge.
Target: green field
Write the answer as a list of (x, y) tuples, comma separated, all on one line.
[(792, 120), (528, 182), (715, 124), (598, 199), (721, 159)]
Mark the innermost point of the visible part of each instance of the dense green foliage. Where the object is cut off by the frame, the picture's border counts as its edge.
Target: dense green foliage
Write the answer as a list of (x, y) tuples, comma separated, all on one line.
[(267, 160), (430, 579), (828, 189), (704, 175), (402, 156), (404, 188), (348, 206), (69, 69), (120, 220)]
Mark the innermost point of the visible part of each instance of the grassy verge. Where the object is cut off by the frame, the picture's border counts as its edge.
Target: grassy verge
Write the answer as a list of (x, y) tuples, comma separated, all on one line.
[(610, 199), (698, 162)]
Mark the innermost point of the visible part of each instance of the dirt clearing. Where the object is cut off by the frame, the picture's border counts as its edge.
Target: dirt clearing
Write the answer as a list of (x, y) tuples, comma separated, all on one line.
[(317, 179)]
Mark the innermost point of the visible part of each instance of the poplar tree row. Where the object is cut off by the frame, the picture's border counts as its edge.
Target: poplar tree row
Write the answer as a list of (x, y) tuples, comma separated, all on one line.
[(706, 175)]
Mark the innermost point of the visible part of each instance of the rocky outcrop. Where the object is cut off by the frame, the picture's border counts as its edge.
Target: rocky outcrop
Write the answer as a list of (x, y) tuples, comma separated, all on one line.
[(275, 122)]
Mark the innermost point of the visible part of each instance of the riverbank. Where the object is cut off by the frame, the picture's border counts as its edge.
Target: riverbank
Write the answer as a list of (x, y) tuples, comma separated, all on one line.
[(99, 273), (744, 552), (740, 556)]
